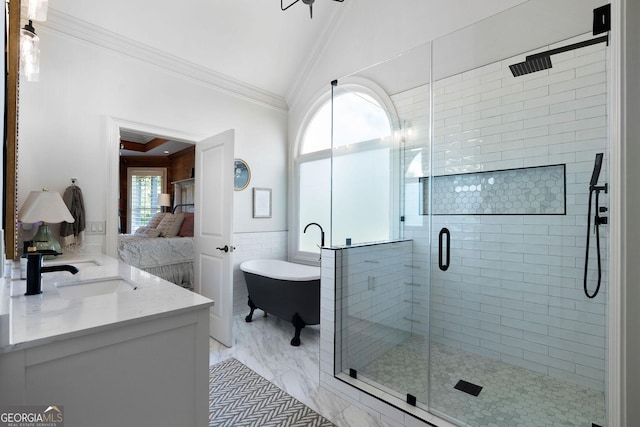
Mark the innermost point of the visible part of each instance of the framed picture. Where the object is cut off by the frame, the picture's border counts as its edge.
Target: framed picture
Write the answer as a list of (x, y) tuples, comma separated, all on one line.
[(241, 174), (262, 202)]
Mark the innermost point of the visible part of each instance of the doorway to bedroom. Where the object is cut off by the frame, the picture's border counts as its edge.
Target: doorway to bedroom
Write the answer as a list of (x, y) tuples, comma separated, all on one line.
[(210, 172), (156, 206), (156, 174)]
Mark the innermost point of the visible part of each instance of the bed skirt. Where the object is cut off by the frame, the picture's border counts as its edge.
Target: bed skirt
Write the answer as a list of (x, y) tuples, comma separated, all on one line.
[(180, 274)]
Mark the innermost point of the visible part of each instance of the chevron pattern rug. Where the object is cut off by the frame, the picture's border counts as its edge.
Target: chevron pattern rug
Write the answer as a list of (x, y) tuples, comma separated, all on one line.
[(239, 397)]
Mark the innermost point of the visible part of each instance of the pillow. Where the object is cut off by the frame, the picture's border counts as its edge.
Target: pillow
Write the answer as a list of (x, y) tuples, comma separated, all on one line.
[(155, 220), (170, 225), (186, 230), (147, 232)]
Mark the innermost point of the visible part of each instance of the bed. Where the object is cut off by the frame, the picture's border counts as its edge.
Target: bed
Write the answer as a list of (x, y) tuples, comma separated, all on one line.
[(163, 248)]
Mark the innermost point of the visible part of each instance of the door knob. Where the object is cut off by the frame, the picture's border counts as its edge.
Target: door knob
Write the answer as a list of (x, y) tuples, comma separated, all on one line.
[(225, 248)]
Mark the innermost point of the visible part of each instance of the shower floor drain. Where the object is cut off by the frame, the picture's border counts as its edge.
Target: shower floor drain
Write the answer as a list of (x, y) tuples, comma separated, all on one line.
[(468, 387)]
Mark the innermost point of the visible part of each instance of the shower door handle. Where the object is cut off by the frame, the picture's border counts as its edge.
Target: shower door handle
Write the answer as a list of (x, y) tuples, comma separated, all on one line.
[(444, 233)]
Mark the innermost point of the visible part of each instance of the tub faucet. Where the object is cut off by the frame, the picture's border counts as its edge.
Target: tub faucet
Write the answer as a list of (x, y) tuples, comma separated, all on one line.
[(35, 270), (321, 232)]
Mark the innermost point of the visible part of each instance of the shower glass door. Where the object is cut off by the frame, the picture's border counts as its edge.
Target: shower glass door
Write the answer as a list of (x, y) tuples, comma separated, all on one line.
[(380, 150), (469, 221), (514, 337)]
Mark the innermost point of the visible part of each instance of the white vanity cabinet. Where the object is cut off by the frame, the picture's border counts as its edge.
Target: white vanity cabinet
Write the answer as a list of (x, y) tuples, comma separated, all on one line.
[(136, 365)]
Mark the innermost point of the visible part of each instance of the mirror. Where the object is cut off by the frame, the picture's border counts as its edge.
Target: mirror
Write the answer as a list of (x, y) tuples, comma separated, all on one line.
[(11, 131), (241, 174)]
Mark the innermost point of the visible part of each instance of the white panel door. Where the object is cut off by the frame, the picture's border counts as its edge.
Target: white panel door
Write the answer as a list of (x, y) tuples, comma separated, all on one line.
[(213, 230)]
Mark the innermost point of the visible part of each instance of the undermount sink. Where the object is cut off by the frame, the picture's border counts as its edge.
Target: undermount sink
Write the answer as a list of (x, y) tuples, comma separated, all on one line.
[(94, 287)]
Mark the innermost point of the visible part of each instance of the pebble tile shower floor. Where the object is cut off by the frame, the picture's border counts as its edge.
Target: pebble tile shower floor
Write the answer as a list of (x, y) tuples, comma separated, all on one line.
[(510, 396)]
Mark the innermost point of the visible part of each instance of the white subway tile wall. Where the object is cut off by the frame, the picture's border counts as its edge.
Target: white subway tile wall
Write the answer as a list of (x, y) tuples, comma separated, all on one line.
[(513, 291), (261, 245), (365, 396), (376, 300), (514, 288)]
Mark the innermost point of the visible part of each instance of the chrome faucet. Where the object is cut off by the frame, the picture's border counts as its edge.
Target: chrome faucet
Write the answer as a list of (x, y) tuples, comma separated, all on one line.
[(35, 270), (321, 232)]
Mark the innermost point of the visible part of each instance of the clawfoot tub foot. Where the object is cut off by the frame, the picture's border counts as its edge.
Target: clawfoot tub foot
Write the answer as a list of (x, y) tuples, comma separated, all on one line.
[(298, 323), (252, 306)]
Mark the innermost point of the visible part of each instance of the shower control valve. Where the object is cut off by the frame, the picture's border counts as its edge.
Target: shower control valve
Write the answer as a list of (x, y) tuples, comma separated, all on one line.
[(604, 188)]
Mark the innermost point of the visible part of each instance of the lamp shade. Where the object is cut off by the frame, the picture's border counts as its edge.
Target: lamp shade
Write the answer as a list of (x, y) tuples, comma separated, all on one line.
[(46, 206), (35, 10), (164, 199)]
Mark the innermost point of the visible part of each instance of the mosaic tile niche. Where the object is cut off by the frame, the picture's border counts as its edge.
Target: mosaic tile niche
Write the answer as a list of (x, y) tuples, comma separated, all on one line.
[(526, 191)]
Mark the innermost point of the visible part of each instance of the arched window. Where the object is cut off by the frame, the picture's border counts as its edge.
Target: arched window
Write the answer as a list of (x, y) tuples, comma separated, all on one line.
[(358, 118), (362, 171)]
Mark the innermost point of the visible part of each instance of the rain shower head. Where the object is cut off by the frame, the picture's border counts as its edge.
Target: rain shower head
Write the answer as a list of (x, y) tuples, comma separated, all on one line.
[(531, 65), (542, 61)]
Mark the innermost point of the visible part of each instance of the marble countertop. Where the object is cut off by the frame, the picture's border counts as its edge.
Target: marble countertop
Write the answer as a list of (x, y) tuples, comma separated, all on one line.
[(27, 321)]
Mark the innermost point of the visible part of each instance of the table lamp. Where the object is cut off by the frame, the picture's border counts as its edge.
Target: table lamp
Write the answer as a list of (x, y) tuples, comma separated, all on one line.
[(164, 201), (47, 207)]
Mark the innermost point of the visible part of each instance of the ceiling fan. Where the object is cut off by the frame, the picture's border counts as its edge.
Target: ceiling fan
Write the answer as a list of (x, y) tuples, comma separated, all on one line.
[(309, 2)]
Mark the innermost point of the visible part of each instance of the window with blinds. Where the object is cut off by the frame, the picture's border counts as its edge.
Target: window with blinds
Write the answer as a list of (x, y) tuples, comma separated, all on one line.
[(145, 187)]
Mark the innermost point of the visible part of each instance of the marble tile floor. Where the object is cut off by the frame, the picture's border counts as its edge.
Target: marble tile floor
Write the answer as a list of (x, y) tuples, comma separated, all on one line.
[(263, 345), (511, 396)]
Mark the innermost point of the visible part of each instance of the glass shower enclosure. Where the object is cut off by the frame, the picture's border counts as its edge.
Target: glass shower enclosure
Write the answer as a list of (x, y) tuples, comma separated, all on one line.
[(470, 225)]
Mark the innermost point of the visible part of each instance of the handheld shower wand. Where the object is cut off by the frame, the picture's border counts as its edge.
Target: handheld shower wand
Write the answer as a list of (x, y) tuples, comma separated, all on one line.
[(597, 221), (596, 171)]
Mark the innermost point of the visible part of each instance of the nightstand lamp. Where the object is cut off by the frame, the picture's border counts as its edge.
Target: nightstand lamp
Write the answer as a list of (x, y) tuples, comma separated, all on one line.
[(164, 201)]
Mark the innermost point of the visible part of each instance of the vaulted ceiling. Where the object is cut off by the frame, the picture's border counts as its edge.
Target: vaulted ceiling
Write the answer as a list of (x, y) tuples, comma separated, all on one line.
[(251, 41), (250, 47)]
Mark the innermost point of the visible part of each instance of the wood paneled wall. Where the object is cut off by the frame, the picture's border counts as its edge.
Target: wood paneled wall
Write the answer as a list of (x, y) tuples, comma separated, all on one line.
[(182, 164)]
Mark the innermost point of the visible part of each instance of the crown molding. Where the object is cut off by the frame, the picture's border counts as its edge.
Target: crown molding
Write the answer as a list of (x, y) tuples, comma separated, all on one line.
[(70, 26)]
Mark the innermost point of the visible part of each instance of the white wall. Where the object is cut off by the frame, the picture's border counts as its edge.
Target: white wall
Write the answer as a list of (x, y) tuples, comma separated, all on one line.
[(63, 120)]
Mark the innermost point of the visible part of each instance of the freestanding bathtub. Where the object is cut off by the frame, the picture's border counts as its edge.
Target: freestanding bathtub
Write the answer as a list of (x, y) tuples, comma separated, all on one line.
[(286, 290)]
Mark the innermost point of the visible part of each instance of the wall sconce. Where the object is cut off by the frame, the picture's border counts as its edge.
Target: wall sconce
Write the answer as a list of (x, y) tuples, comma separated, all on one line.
[(29, 52), (31, 10)]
